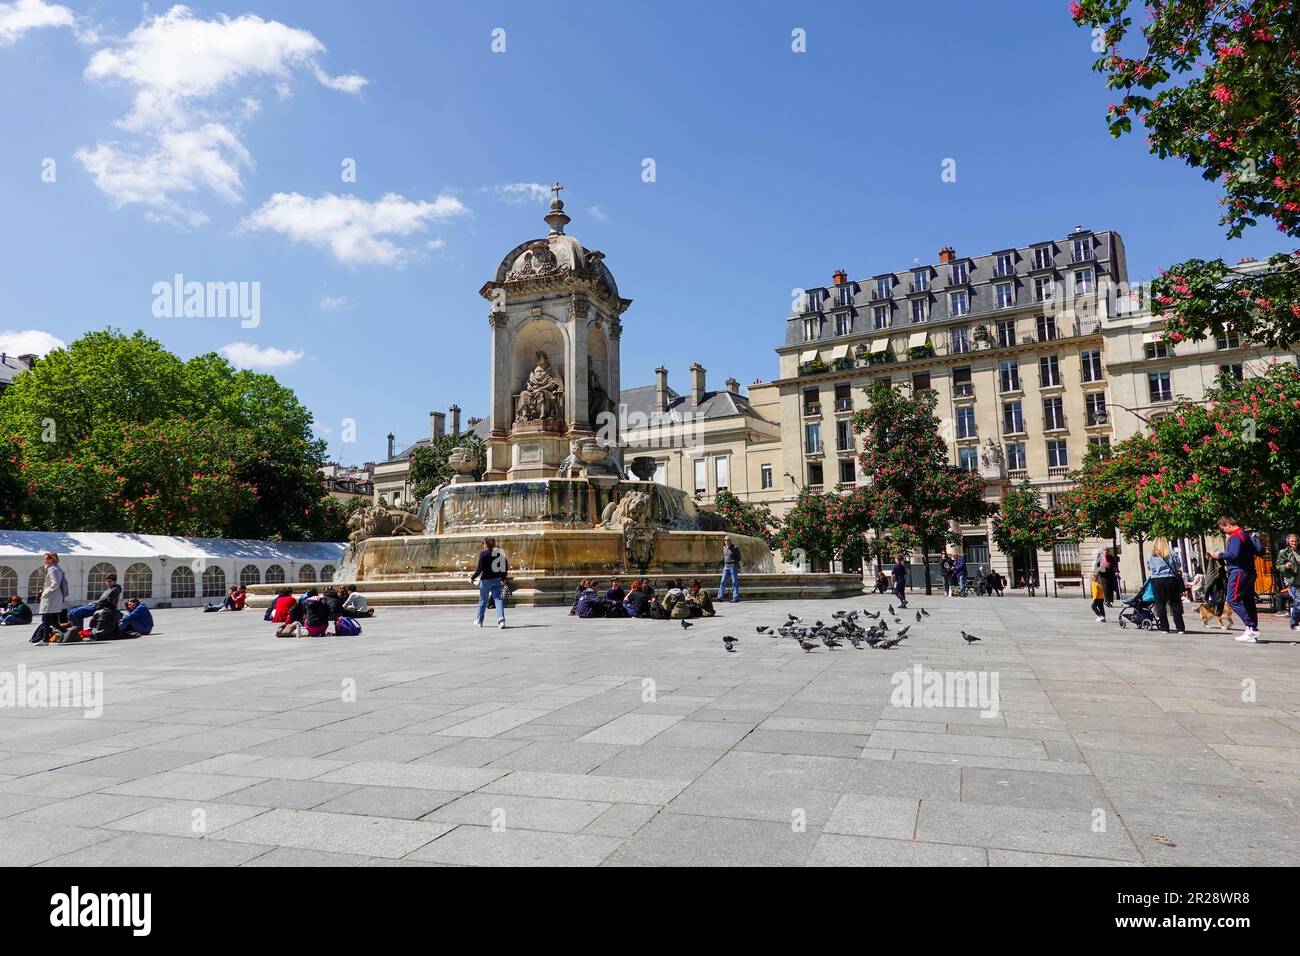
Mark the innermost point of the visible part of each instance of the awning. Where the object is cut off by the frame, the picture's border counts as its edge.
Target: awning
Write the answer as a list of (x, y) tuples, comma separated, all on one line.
[(879, 346), (840, 351), (917, 339), (806, 357), (1150, 337)]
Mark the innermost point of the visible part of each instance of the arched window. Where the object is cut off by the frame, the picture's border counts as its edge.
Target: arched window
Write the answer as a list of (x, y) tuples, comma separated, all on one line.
[(275, 574), (138, 582), (35, 585), (327, 574), (96, 578), (306, 574), (8, 583), (214, 581), (182, 582), (250, 575)]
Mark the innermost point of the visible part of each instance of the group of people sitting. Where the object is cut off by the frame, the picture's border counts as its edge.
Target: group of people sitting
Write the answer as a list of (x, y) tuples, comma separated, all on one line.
[(100, 620), (640, 599), (314, 612)]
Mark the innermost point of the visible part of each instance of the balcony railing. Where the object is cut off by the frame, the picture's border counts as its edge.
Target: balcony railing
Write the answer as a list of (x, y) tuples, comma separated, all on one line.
[(1056, 424), (1015, 474), (964, 390), (878, 296), (1058, 471), (1084, 256), (1004, 272), (815, 451), (1098, 417), (971, 431), (913, 287), (844, 404), (812, 408)]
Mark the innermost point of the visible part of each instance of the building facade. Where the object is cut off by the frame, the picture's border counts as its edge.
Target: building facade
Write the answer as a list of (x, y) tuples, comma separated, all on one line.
[(1011, 343), (392, 477)]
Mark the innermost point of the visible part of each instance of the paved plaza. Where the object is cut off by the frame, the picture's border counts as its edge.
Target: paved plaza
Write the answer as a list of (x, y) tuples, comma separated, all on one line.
[(559, 741)]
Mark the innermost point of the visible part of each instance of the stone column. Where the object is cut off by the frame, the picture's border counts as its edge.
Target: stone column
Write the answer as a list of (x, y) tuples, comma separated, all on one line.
[(614, 388), (576, 412), (498, 448)]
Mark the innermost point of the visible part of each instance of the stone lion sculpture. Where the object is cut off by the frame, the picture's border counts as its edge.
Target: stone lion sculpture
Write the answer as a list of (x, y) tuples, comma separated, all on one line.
[(379, 522)]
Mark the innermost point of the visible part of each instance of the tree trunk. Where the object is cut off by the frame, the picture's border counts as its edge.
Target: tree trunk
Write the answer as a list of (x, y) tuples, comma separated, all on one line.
[(925, 564), (1142, 561)]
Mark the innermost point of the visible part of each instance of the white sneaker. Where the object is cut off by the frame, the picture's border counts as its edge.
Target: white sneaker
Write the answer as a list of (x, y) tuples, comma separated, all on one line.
[(1247, 637), (501, 625), (478, 623), (1101, 620)]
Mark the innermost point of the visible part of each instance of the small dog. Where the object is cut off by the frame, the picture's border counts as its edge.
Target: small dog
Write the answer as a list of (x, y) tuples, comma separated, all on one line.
[(1207, 613)]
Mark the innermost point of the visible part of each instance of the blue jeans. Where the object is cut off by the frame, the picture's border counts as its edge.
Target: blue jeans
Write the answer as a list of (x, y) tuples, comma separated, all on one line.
[(1294, 591), (78, 615), (489, 589), (729, 575)]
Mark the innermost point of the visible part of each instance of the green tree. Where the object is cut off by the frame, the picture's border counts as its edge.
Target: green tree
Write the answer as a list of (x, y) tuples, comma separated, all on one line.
[(1103, 495), (114, 433), (1022, 526), (1216, 84), (916, 493), (1237, 452), (429, 465), (755, 520)]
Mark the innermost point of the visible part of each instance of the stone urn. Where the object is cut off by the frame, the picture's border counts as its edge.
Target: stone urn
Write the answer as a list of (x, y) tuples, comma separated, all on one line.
[(464, 462), (643, 468), (589, 451)]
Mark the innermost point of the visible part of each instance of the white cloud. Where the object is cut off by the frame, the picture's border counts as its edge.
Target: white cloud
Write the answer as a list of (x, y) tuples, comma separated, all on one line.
[(335, 303), (353, 230), (184, 161), (246, 355), (595, 212), (21, 16), (186, 110), (29, 342), (523, 192)]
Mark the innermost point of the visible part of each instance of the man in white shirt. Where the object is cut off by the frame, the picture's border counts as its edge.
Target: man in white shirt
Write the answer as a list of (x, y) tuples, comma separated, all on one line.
[(355, 605)]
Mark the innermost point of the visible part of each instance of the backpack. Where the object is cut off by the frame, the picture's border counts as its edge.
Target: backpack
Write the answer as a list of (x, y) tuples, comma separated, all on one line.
[(270, 611), (346, 627), (42, 633)]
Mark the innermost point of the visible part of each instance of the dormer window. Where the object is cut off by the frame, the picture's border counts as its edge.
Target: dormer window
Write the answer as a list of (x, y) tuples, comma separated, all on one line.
[(920, 280), (884, 288), (960, 273)]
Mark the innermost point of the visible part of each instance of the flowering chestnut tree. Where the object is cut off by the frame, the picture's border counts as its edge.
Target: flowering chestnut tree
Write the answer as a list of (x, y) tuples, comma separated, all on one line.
[(1236, 453), (1217, 83), (917, 493), (742, 517), (1022, 526)]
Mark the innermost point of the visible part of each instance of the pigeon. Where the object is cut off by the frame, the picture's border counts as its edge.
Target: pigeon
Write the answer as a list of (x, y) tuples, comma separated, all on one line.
[(686, 624), (728, 641), (925, 612), (898, 620), (902, 631), (886, 645), (968, 638), (806, 645), (830, 641), (918, 617), (891, 610)]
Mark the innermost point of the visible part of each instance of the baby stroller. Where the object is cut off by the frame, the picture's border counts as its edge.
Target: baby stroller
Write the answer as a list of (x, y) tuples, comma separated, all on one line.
[(1137, 609)]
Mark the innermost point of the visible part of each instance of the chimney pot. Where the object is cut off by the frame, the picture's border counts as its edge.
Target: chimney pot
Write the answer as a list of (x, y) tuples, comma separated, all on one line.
[(390, 446), (733, 386), (661, 388), (455, 420), (947, 254), (840, 277), (437, 425)]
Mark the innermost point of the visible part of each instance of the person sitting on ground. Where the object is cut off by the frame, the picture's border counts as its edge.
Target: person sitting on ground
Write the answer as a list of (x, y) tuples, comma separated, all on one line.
[(137, 622), (315, 614), (229, 603), (678, 605), (996, 582), (103, 623), (637, 602), (17, 612), (615, 592), (882, 582), (281, 606), (109, 598), (333, 602), (355, 604), (698, 595), (583, 585), (589, 603)]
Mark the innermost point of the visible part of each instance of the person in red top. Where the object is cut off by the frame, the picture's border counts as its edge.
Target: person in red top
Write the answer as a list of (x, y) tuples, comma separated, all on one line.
[(1238, 554), (240, 597), (284, 602)]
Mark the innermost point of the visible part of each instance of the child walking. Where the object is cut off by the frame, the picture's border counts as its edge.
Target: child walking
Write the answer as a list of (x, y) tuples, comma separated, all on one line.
[(1098, 598)]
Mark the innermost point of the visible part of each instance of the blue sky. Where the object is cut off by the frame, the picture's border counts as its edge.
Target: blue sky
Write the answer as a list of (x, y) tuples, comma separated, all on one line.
[(187, 144)]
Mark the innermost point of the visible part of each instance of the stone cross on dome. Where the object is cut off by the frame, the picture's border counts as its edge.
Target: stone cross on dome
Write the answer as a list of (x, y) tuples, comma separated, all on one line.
[(557, 219)]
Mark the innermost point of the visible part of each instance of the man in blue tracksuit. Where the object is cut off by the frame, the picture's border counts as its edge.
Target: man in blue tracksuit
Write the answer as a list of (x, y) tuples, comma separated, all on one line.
[(1239, 555), (137, 622)]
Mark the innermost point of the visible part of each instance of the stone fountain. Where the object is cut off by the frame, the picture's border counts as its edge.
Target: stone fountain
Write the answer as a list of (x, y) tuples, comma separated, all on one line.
[(555, 495)]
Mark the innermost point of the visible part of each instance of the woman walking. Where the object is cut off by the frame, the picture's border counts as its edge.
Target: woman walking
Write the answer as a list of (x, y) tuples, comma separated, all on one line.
[(54, 598), (490, 575), (1167, 583)]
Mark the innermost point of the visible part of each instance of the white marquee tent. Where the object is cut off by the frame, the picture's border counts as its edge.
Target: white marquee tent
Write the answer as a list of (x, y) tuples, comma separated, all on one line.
[(160, 570)]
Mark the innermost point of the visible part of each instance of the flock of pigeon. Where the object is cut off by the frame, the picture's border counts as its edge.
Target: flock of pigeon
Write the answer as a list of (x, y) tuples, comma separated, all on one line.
[(876, 635)]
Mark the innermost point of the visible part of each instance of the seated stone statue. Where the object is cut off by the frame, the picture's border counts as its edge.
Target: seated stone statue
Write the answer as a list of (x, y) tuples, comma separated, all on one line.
[(543, 394)]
